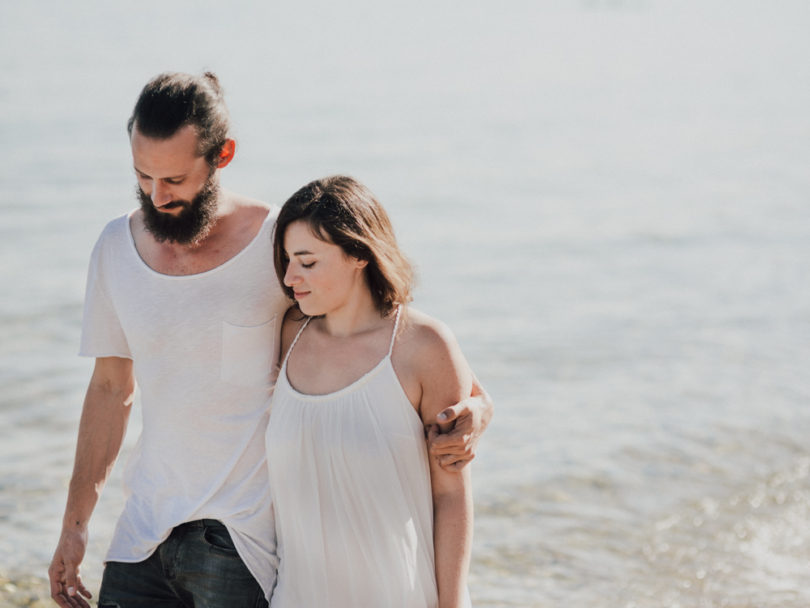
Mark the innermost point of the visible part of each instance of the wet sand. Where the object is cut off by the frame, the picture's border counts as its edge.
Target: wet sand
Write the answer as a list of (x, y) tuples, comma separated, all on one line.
[(24, 591)]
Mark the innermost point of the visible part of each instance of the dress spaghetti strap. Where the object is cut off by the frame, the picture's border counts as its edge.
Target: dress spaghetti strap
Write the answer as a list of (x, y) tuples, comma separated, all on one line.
[(394, 334), (298, 335)]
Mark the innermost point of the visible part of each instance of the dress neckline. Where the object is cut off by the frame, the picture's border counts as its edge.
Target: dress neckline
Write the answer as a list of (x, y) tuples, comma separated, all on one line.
[(349, 387)]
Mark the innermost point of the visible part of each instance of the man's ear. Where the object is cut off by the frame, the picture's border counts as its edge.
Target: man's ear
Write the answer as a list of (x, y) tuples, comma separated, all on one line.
[(226, 154)]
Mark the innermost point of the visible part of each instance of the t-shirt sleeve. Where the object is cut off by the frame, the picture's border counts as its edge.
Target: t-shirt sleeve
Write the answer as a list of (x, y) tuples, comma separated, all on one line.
[(102, 334)]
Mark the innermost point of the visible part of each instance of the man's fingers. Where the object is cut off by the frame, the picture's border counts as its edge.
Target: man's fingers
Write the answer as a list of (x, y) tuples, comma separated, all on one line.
[(61, 599), (449, 414), (455, 463), (477, 389), (444, 443), (448, 462), (78, 602), (455, 442), (54, 576), (71, 601), (84, 590), (71, 577), (65, 601), (454, 467)]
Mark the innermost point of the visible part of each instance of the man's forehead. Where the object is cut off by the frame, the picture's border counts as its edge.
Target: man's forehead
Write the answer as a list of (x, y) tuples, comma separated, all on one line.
[(166, 155)]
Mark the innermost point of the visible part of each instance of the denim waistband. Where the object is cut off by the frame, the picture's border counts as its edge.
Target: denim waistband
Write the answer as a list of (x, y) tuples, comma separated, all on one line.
[(201, 523)]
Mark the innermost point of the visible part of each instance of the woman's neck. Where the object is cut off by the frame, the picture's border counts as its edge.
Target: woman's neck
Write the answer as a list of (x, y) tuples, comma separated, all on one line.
[(357, 316)]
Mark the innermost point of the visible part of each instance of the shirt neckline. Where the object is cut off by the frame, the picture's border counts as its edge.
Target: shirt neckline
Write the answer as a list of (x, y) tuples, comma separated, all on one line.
[(232, 260)]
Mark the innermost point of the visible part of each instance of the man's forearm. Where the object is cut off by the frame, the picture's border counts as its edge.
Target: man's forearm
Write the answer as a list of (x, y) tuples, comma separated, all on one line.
[(101, 432)]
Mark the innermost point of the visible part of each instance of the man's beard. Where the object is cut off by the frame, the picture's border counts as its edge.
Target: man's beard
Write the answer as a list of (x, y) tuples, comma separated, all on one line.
[(191, 225)]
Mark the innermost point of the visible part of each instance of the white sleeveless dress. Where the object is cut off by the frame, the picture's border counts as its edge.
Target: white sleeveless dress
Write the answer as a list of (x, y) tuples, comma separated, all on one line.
[(350, 482)]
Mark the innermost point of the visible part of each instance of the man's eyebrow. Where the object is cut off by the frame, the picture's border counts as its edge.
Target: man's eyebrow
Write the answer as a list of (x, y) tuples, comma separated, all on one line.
[(139, 172)]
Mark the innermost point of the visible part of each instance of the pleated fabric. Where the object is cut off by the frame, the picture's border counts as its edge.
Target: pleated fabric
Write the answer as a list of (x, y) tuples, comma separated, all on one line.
[(350, 485)]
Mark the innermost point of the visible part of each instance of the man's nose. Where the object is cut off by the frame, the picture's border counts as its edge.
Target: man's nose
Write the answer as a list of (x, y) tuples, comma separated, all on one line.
[(160, 194)]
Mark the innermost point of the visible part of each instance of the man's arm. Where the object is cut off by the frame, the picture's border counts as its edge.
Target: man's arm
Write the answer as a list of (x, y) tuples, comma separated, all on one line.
[(101, 432), (456, 448)]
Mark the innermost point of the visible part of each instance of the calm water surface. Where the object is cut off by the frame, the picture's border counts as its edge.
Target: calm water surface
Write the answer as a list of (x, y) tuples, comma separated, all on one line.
[(606, 200)]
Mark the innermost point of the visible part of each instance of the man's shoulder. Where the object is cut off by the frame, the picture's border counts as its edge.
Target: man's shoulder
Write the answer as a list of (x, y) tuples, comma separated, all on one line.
[(247, 203), (258, 211), (118, 222), (113, 241), (115, 229)]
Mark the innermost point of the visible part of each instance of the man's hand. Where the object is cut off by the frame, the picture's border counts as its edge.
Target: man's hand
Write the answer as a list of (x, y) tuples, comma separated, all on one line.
[(66, 582), (456, 447), (101, 431)]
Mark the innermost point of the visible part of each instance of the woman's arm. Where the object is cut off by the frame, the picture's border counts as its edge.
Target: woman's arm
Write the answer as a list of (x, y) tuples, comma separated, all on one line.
[(470, 418), (445, 380)]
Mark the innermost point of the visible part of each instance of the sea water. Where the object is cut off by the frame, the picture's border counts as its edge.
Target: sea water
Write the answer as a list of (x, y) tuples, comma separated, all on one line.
[(607, 201)]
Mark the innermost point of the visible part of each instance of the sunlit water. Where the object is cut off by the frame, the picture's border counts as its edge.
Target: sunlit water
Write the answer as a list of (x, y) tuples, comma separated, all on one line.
[(606, 200)]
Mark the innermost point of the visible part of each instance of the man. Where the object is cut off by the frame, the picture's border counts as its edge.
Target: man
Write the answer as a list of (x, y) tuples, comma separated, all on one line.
[(182, 296)]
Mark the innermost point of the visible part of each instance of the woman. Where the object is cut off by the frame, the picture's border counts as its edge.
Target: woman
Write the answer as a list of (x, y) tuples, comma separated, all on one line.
[(364, 517)]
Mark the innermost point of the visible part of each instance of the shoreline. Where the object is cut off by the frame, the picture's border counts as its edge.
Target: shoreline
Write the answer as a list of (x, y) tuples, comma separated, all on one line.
[(24, 590)]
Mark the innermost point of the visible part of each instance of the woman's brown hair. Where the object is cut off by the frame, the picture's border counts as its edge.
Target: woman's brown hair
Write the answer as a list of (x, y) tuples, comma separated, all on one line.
[(342, 211)]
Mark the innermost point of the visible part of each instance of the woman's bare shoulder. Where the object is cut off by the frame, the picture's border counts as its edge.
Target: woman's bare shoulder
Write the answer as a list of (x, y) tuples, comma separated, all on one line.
[(425, 336), (436, 362)]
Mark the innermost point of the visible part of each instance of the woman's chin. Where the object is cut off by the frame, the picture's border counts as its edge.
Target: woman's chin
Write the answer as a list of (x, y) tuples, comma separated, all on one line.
[(308, 310)]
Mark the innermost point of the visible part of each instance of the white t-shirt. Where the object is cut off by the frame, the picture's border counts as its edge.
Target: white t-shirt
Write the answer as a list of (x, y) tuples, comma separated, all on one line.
[(204, 350)]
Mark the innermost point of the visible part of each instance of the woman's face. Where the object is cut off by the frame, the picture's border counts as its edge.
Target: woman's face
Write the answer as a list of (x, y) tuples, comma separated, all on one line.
[(323, 278)]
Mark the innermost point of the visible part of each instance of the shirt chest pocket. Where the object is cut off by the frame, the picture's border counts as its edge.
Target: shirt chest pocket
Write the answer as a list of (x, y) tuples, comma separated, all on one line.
[(248, 353)]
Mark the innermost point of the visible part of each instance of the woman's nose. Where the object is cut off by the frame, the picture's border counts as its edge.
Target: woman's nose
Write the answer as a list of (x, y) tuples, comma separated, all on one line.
[(290, 277)]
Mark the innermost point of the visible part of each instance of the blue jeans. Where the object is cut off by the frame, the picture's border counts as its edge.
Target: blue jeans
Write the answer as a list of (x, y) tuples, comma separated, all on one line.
[(196, 567)]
